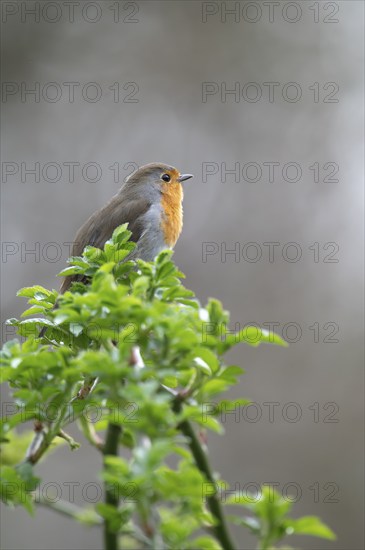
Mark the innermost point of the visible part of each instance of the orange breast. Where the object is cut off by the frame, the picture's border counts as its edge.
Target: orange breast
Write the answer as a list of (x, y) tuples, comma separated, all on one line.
[(172, 219)]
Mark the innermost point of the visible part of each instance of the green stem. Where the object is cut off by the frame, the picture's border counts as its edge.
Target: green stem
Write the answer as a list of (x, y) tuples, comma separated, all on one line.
[(220, 529), (43, 438), (70, 440), (68, 509), (111, 496), (90, 433)]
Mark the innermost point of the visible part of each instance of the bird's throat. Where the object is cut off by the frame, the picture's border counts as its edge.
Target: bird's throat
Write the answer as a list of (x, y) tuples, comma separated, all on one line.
[(172, 218)]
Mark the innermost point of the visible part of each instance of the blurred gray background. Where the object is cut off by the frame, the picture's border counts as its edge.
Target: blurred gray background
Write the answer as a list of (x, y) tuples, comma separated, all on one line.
[(162, 53)]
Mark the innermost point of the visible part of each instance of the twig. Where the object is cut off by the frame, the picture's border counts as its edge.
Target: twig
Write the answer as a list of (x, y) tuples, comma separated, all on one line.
[(38, 445), (111, 448), (90, 433), (220, 529), (43, 437), (111, 495), (86, 388), (70, 440), (67, 509)]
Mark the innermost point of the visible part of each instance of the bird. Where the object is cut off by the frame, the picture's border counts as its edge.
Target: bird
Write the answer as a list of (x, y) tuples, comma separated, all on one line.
[(150, 201)]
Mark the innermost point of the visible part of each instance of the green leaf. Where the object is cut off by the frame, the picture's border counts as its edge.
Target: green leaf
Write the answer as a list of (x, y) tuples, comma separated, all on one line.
[(204, 543), (76, 329), (93, 254), (121, 234), (33, 310), (14, 450), (196, 414), (31, 291), (254, 336), (217, 315), (309, 525), (252, 523), (73, 270), (230, 374), (116, 518), (204, 357), (141, 285), (214, 386), (15, 485)]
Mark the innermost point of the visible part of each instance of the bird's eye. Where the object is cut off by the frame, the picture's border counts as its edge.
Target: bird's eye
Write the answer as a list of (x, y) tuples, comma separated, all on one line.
[(166, 177)]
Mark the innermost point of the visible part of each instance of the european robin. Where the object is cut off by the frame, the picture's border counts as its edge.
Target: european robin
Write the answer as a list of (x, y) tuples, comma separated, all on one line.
[(151, 202)]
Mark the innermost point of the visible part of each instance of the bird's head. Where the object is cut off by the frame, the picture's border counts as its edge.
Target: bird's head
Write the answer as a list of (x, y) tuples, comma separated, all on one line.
[(158, 175)]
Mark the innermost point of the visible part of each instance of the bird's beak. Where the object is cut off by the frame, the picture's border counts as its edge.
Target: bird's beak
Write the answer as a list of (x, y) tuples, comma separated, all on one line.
[(184, 177)]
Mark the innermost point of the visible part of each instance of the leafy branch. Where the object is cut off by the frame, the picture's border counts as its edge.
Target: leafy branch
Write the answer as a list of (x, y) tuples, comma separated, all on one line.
[(132, 338)]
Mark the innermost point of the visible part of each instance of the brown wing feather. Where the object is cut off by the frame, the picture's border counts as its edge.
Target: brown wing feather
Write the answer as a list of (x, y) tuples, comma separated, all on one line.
[(100, 226)]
